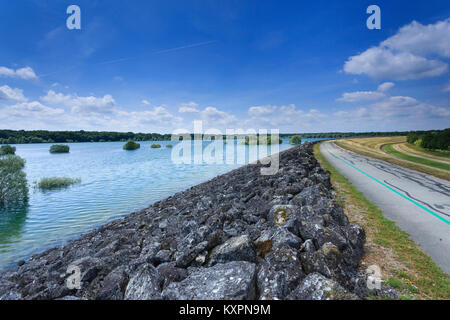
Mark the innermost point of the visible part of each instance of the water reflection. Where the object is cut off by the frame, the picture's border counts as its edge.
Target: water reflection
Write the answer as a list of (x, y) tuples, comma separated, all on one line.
[(12, 223)]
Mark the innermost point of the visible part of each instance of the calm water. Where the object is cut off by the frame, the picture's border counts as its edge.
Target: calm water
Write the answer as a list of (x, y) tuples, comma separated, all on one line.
[(114, 183)]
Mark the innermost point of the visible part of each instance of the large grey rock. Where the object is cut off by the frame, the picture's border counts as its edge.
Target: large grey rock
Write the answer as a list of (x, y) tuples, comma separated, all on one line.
[(235, 249), (280, 273), (145, 284), (286, 216), (274, 237), (317, 287), (113, 285), (328, 261), (230, 281)]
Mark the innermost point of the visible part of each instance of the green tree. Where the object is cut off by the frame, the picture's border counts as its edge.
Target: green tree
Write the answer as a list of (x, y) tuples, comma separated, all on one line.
[(295, 140), (7, 149), (13, 182)]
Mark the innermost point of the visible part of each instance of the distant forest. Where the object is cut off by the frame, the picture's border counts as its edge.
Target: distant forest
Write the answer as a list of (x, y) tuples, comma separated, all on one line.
[(433, 139), (43, 136)]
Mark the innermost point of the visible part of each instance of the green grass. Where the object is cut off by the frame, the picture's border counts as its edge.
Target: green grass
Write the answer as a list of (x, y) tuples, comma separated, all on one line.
[(436, 153), (155, 146), (423, 279), (390, 149), (395, 282), (56, 183)]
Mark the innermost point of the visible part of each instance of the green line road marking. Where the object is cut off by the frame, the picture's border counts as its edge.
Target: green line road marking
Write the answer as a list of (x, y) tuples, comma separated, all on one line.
[(385, 185)]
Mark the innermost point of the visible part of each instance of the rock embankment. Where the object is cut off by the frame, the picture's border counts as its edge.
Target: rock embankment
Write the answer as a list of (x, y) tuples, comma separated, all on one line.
[(240, 235)]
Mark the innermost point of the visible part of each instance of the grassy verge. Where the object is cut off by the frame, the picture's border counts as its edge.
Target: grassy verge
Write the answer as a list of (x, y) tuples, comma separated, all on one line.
[(386, 157), (427, 162), (404, 265)]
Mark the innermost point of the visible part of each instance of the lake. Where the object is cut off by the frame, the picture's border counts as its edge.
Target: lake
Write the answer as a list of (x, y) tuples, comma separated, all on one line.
[(114, 183)]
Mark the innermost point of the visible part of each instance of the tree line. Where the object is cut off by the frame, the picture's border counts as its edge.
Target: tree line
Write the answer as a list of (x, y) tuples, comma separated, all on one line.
[(433, 139), (44, 136)]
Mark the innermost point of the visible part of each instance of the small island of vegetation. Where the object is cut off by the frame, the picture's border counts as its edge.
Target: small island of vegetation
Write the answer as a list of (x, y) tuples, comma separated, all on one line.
[(59, 148), (264, 140), (169, 146), (295, 140), (56, 183), (131, 145), (155, 146)]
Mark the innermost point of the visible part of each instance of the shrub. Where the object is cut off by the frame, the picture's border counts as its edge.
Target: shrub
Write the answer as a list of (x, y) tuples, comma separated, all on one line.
[(155, 146), (56, 183), (13, 182), (268, 140), (295, 140), (59, 148), (169, 146), (131, 145), (418, 142), (7, 149)]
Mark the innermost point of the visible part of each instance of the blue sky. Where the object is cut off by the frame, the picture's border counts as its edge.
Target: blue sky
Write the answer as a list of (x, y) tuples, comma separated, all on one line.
[(155, 66)]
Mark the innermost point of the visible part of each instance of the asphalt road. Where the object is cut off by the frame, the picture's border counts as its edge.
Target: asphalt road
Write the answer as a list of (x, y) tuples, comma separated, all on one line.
[(419, 203)]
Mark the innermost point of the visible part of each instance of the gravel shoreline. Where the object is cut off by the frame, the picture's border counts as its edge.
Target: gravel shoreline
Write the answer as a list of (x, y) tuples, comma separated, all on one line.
[(240, 235)]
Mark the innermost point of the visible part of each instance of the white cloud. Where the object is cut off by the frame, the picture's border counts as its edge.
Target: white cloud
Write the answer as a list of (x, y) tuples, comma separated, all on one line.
[(258, 111), (216, 118), (401, 109), (146, 102), (410, 54), (361, 96), (386, 86), (89, 104), (56, 98), (8, 93), (285, 118), (190, 107), (30, 110), (422, 40), (23, 73), (382, 63)]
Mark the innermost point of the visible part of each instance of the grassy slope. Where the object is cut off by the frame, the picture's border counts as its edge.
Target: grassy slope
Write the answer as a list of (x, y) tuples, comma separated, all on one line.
[(386, 157), (404, 265), (390, 149), (434, 153)]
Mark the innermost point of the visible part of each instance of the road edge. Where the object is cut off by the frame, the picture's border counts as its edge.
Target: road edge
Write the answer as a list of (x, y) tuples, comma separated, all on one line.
[(407, 268)]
